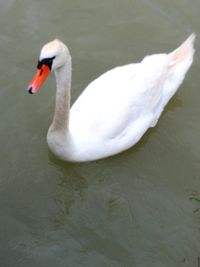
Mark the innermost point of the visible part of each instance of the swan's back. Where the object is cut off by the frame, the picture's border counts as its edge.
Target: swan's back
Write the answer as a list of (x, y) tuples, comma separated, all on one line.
[(116, 109)]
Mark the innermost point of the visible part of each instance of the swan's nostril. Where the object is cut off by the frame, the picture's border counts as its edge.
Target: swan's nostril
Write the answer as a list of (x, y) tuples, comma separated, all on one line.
[(30, 91)]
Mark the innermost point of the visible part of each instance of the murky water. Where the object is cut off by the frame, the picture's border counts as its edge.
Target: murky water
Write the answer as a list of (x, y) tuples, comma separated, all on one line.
[(137, 209)]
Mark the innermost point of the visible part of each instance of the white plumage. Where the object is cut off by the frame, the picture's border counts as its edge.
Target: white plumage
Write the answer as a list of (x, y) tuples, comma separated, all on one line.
[(116, 109)]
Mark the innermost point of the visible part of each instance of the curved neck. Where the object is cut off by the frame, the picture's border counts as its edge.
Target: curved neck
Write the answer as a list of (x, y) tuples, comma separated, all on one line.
[(62, 106)]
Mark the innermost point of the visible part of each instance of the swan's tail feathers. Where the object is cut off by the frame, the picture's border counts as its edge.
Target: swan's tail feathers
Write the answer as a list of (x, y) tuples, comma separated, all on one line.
[(183, 55), (180, 61)]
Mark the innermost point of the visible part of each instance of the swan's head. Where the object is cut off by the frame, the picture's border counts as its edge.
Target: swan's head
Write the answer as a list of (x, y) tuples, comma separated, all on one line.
[(53, 56)]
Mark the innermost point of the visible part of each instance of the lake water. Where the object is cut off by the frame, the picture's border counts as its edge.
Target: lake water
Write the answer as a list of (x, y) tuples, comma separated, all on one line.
[(137, 209)]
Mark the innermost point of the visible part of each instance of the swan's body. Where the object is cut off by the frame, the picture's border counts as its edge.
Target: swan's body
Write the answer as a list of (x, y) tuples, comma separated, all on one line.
[(115, 110)]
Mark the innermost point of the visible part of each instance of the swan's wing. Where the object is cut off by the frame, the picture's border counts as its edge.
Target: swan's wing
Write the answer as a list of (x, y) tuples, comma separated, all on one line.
[(117, 100)]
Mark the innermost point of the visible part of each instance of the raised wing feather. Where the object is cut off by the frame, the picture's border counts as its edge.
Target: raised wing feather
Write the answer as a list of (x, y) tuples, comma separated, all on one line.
[(118, 98)]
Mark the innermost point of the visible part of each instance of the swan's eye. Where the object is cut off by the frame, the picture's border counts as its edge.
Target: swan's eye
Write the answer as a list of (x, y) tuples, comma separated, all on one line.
[(46, 61)]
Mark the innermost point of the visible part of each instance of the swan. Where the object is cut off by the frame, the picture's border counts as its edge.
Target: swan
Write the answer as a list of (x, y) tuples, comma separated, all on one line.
[(116, 109)]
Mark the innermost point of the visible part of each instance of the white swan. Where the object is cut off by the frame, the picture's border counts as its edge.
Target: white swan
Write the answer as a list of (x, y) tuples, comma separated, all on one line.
[(116, 109)]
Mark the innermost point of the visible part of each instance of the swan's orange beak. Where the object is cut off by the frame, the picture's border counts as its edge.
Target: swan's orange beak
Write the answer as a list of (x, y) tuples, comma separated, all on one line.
[(39, 79)]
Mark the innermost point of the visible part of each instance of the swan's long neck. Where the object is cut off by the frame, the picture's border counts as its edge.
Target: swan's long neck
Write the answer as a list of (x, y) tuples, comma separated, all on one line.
[(62, 106)]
